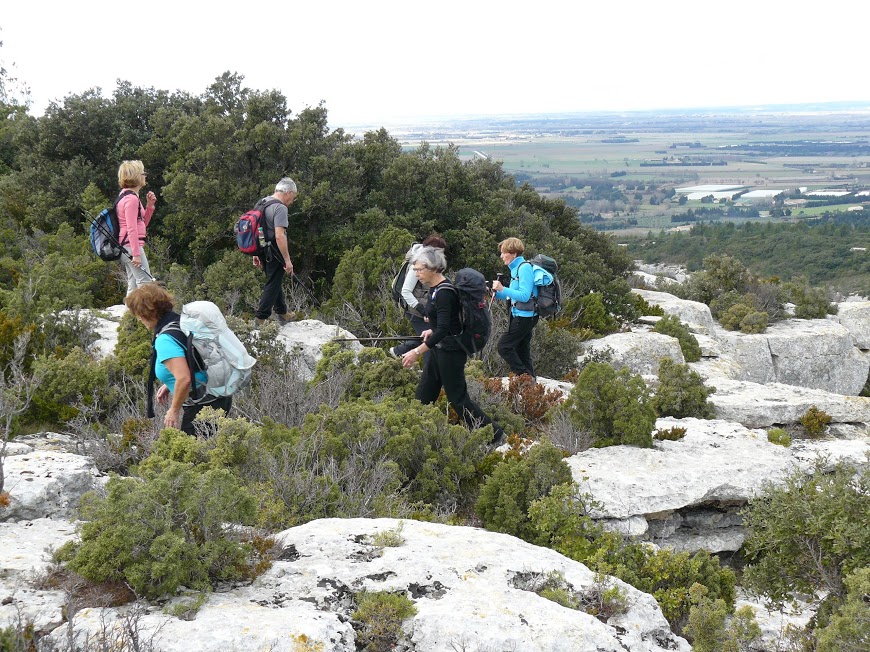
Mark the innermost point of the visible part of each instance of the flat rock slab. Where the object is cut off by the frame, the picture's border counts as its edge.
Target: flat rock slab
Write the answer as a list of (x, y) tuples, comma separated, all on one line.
[(469, 586), (47, 484)]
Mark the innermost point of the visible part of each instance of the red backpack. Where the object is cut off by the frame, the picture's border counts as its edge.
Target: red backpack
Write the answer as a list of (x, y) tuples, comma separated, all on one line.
[(251, 229)]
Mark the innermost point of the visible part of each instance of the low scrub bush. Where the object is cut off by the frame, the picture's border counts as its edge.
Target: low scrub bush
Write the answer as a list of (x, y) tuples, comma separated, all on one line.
[(515, 484), (671, 325), (682, 393), (849, 628), (671, 434), (808, 533), (379, 616), (815, 421), (614, 406), (177, 538), (555, 349), (779, 437), (525, 397), (562, 522)]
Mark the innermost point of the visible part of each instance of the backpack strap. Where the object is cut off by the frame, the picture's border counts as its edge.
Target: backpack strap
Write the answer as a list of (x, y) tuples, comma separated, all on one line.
[(195, 362), (121, 196), (532, 303)]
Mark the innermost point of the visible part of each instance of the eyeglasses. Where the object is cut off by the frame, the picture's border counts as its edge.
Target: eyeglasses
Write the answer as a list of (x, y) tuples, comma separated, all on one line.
[(418, 269), (144, 174)]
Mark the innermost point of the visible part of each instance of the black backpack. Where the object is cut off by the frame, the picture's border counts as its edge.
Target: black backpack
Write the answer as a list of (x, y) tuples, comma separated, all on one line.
[(470, 288), (105, 230), (419, 291), (549, 299)]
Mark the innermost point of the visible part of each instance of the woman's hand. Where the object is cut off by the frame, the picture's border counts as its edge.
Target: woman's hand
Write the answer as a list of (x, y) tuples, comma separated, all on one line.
[(410, 358), (425, 334), (151, 198), (172, 418), (497, 286), (162, 395), (136, 261)]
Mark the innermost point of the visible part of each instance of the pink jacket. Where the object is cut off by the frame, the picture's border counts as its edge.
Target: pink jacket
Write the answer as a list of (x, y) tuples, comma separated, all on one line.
[(133, 220)]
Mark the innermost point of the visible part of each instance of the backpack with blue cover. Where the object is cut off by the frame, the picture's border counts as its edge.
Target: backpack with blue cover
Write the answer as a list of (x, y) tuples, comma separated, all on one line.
[(548, 300), (105, 230), (211, 346), (470, 288)]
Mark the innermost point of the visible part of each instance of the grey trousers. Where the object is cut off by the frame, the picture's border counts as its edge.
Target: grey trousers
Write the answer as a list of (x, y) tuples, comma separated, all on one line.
[(136, 276)]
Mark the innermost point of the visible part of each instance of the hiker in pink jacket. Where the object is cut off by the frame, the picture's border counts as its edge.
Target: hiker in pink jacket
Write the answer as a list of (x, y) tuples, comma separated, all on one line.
[(133, 220)]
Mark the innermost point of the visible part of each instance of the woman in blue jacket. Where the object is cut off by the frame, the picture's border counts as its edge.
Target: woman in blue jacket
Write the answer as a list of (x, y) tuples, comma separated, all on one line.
[(515, 346)]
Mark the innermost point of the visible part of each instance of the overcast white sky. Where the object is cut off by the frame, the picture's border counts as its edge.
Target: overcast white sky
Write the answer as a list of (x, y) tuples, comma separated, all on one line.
[(383, 61)]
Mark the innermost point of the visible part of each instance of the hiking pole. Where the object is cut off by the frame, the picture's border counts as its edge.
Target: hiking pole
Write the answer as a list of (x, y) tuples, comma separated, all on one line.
[(310, 294), (115, 242), (376, 339)]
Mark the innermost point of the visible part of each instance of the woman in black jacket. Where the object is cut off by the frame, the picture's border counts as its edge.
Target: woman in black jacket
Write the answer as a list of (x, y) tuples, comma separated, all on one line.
[(445, 367)]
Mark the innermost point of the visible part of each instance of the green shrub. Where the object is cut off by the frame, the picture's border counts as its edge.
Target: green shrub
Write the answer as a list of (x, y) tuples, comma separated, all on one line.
[(710, 630), (380, 615), (515, 484), (133, 349), (562, 522), (849, 628), (595, 316), (815, 421), (615, 407), (66, 380), (671, 434), (779, 437), (682, 393), (178, 536), (391, 538), (810, 303), (808, 533), (745, 318), (671, 325), (555, 349)]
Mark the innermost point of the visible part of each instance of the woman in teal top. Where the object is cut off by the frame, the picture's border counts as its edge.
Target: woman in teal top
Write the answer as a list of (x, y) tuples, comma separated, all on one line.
[(152, 306), (515, 346)]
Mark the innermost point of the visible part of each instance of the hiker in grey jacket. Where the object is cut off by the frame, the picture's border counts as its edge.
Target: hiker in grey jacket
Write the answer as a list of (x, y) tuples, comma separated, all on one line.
[(417, 312)]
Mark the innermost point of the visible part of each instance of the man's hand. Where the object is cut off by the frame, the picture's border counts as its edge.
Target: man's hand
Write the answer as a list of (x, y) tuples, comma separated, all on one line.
[(257, 262)]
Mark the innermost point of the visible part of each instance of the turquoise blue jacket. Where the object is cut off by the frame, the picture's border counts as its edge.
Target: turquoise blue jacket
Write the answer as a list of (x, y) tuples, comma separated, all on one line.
[(522, 287)]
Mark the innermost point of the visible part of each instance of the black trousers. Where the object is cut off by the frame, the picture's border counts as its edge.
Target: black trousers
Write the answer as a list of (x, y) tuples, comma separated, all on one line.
[(447, 369), (189, 412), (515, 346), (273, 293)]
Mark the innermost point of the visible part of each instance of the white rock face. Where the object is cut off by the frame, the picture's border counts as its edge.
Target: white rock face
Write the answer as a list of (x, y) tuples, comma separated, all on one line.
[(638, 352), (676, 272), (307, 337), (46, 484), (854, 316), (814, 353), (686, 494), (694, 314), (829, 354), (108, 321), (761, 406), (23, 556), (469, 586), (716, 461)]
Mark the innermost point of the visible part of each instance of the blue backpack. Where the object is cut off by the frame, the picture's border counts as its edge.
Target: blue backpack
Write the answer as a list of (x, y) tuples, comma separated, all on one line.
[(105, 230)]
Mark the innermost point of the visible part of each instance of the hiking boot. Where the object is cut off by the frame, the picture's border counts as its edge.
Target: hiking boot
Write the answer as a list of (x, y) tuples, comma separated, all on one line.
[(286, 318), (257, 323), (392, 352), (499, 437)]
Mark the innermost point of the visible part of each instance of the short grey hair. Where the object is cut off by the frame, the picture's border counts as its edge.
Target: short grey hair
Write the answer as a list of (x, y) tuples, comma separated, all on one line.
[(285, 185), (431, 258)]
